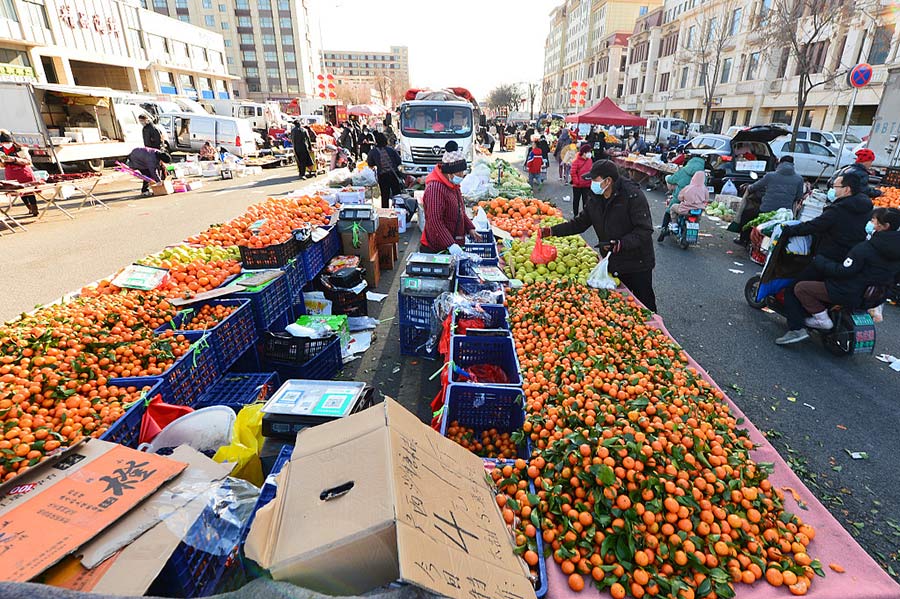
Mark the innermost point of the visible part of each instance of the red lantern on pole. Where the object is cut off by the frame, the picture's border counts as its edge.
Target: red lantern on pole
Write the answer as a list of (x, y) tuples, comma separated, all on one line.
[(320, 77), (322, 95), (574, 84), (582, 93), (572, 101), (329, 76), (584, 84), (331, 86), (332, 95)]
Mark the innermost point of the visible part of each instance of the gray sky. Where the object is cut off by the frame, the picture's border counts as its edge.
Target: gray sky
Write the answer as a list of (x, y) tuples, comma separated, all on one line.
[(476, 44)]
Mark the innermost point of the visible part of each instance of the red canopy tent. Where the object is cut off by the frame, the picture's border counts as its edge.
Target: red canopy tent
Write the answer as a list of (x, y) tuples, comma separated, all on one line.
[(606, 112)]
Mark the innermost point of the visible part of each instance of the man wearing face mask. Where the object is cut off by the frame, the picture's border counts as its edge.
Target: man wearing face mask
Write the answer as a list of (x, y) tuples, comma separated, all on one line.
[(618, 210), (446, 223)]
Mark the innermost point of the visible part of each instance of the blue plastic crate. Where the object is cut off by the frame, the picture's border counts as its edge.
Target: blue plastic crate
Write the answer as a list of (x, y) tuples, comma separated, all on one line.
[(313, 258), (195, 572), (496, 316), (324, 366), (268, 303), (269, 488), (332, 243), (237, 390), (296, 276), (413, 342), (416, 311), (483, 407), (486, 248), (542, 583), (467, 350), (229, 338), (127, 429), (468, 282)]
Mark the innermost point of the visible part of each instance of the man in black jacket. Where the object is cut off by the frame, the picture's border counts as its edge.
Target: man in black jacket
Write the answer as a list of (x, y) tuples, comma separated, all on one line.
[(303, 151), (152, 135), (872, 262), (618, 210)]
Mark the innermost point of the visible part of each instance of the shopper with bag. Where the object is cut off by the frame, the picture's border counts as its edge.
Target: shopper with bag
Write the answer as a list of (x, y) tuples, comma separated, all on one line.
[(618, 210), (385, 161), (446, 222)]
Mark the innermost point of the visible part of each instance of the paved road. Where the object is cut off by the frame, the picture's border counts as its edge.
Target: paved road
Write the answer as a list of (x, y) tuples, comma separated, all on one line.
[(836, 404)]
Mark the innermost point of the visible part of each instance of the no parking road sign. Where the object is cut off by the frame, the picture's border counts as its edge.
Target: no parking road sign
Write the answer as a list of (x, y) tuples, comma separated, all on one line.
[(860, 75)]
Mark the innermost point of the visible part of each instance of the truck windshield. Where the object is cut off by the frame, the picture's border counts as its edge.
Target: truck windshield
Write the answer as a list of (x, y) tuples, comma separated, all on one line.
[(436, 121), (678, 127)]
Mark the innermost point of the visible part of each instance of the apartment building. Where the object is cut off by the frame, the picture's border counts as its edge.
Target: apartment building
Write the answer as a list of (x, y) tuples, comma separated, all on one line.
[(109, 43), (585, 43), (750, 82), (271, 44)]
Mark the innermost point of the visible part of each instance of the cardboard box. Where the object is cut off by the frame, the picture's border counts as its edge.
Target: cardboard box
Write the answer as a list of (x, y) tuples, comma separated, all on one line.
[(61, 505), (365, 247), (373, 271), (386, 256), (127, 557), (388, 226), (163, 188), (378, 497)]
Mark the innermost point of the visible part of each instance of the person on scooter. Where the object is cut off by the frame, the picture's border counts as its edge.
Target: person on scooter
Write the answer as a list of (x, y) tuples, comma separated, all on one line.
[(842, 223), (679, 180), (872, 262), (782, 188), (693, 197), (617, 209)]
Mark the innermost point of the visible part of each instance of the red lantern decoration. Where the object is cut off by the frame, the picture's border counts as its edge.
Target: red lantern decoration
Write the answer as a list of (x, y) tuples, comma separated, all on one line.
[(581, 102), (574, 84), (330, 77), (584, 84), (582, 93), (322, 95), (321, 86), (320, 77), (332, 95), (331, 86), (572, 101)]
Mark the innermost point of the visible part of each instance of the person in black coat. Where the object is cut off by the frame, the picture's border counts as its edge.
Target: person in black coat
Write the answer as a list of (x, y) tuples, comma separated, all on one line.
[(303, 151), (873, 262), (618, 210), (385, 161), (151, 133), (842, 224)]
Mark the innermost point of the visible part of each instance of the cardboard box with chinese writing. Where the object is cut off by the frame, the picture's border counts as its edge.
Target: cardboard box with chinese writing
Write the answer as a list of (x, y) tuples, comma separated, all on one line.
[(378, 497), (61, 505)]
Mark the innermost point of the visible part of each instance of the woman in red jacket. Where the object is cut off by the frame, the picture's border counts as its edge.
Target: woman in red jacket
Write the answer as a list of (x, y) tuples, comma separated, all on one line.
[(446, 223), (581, 166)]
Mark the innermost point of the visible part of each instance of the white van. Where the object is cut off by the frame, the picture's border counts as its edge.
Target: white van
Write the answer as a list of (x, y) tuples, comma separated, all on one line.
[(188, 132)]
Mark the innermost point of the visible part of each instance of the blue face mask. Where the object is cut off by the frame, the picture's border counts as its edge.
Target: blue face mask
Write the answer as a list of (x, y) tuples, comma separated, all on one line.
[(456, 179), (597, 188), (870, 228), (832, 195)]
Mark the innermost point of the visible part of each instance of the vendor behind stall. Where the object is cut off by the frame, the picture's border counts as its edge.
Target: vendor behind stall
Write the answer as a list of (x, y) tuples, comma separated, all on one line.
[(149, 162), (446, 223), (18, 167)]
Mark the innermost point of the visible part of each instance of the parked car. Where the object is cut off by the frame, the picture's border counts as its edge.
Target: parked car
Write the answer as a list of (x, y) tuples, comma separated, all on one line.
[(823, 137), (851, 140), (811, 157), (732, 131), (188, 132), (736, 157), (695, 129)]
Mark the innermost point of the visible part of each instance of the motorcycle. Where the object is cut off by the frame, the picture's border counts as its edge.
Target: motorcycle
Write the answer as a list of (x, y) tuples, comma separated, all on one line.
[(853, 331), (686, 230)]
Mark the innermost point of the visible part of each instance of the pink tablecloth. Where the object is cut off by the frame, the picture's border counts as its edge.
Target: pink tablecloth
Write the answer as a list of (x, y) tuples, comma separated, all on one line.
[(863, 579)]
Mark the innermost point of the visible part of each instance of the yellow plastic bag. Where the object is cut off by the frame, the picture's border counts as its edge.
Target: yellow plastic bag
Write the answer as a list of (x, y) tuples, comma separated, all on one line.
[(245, 446)]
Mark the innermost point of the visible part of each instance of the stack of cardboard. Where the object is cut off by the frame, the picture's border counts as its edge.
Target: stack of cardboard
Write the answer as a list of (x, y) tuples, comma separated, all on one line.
[(387, 237)]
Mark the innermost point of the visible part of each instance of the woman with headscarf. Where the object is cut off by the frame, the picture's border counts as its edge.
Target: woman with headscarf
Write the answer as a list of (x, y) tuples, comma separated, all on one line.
[(446, 223), (385, 160), (693, 197)]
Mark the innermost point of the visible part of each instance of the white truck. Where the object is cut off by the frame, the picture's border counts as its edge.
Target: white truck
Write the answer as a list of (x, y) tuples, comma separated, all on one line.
[(663, 130), (70, 128), (429, 119), (884, 139)]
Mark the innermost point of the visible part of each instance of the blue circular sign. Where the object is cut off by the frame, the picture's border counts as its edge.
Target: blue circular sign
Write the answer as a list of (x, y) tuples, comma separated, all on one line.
[(860, 75)]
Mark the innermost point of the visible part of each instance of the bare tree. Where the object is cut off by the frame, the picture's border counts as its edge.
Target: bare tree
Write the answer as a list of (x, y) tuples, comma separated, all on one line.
[(532, 89), (805, 29), (505, 97), (353, 93), (383, 85), (704, 45)]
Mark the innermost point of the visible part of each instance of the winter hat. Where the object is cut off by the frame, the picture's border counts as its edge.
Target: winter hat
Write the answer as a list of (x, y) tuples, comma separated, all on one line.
[(865, 155), (585, 148), (453, 160)]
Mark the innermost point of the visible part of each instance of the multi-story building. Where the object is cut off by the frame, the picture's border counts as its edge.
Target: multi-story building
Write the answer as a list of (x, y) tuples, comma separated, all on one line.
[(387, 73), (271, 44), (585, 43), (109, 43), (750, 82)]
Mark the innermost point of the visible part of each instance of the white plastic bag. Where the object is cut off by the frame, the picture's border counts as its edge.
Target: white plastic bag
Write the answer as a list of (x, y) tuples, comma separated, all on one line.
[(876, 313), (729, 188), (481, 222), (338, 177), (600, 277), (366, 178), (477, 185)]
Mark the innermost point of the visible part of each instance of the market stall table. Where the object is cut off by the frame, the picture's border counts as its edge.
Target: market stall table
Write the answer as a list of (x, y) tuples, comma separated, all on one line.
[(87, 186), (8, 221), (50, 193), (641, 172)]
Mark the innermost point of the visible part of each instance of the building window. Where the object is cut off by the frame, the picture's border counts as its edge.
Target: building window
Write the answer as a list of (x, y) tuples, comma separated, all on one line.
[(266, 22), (247, 39), (244, 22), (161, 4), (284, 5), (881, 44), (734, 117), (287, 40), (37, 12), (251, 72), (736, 21), (230, 60), (253, 87), (632, 87), (273, 73), (783, 116), (783, 62), (181, 4), (684, 78), (271, 57), (223, 8), (290, 73), (726, 70), (209, 20), (275, 86), (228, 43), (207, 4), (713, 29), (815, 55), (8, 11), (242, 4), (248, 55), (264, 4), (290, 57), (692, 35), (285, 23), (642, 11), (268, 39), (664, 82), (225, 25), (752, 66)]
